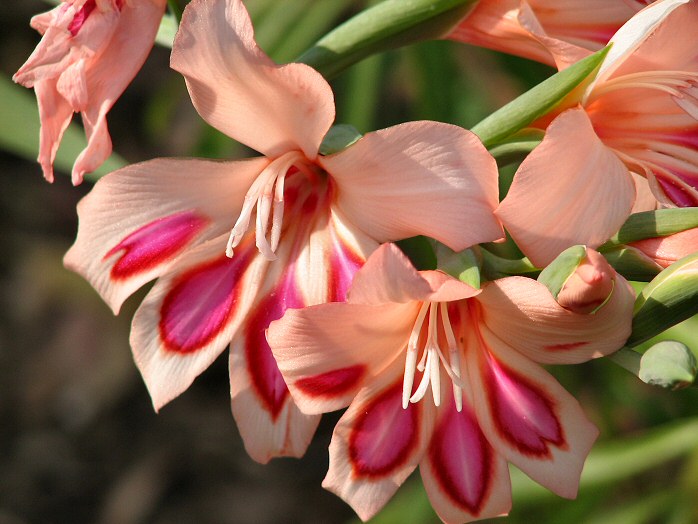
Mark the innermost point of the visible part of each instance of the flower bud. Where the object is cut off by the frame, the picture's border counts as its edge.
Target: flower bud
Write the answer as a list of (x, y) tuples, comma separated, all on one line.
[(589, 286)]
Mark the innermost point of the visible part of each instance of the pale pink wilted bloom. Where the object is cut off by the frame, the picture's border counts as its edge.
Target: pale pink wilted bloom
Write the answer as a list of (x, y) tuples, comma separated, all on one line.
[(402, 333), (89, 52), (555, 32), (317, 218), (628, 145)]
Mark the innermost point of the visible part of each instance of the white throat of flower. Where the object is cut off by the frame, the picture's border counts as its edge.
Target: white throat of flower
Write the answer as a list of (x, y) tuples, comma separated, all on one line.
[(266, 194), (681, 85), (434, 313)]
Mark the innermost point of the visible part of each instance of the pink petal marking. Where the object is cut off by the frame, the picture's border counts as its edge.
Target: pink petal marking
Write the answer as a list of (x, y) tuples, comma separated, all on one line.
[(568, 345), (155, 243), (463, 460), (81, 16), (384, 435), (523, 414), (265, 375), (676, 193), (344, 263), (332, 383), (201, 302)]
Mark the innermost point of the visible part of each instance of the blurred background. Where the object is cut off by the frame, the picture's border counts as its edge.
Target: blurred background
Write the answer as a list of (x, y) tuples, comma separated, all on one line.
[(79, 440)]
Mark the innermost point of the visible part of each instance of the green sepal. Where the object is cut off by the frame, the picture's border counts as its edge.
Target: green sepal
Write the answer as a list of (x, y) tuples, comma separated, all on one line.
[(658, 223), (387, 25), (535, 102), (631, 263), (559, 270), (671, 297), (338, 138), (668, 364), (463, 265)]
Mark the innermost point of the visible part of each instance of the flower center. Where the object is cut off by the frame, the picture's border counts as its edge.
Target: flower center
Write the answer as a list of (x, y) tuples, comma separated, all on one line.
[(425, 338), (681, 85), (266, 195)]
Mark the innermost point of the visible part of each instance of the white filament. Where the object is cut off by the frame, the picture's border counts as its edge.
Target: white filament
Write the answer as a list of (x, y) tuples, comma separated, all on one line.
[(432, 355), (266, 194)]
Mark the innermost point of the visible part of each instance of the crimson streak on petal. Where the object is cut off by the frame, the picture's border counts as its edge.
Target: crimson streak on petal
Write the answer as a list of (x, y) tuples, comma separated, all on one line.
[(202, 302), (523, 414), (462, 460), (266, 377), (155, 243), (332, 383), (384, 434)]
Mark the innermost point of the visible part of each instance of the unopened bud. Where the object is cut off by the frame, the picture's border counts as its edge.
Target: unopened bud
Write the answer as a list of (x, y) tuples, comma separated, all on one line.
[(589, 286)]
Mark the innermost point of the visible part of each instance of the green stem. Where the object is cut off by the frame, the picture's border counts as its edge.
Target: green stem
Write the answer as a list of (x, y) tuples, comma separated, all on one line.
[(388, 25), (628, 359), (175, 10)]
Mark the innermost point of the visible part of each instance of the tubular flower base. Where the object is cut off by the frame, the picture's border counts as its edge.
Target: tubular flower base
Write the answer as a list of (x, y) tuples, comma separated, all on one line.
[(444, 376), (557, 33), (234, 244), (90, 51), (629, 144)]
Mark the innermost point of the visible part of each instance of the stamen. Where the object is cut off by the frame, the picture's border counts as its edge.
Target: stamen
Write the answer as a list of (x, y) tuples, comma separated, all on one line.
[(411, 357), (269, 182), (432, 355), (453, 356)]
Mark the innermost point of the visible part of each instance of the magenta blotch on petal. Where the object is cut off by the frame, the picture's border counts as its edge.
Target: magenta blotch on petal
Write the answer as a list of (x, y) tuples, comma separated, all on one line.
[(266, 377), (155, 243), (523, 414), (462, 459), (201, 302), (384, 436), (335, 382)]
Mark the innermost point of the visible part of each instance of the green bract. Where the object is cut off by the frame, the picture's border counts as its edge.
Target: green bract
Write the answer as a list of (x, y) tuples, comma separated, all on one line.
[(669, 364), (559, 270), (659, 223), (667, 300), (339, 137), (535, 102)]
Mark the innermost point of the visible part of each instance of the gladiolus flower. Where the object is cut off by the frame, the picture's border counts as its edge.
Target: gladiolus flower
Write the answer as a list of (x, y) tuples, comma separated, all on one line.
[(90, 51), (557, 33), (302, 223), (664, 251), (444, 376), (629, 144)]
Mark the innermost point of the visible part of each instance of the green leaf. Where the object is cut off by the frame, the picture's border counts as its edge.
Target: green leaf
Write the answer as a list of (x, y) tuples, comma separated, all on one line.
[(658, 223), (667, 300), (535, 102), (19, 131), (338, 138), (388, 25), (669, 364), (559, 270)]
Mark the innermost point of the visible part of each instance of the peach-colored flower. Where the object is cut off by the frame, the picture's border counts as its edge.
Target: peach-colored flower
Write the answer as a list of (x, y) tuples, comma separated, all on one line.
[(402, 333), (555, 32), (629, 144), (664, 251), (589, 285), (90, 51), (314, 220)]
